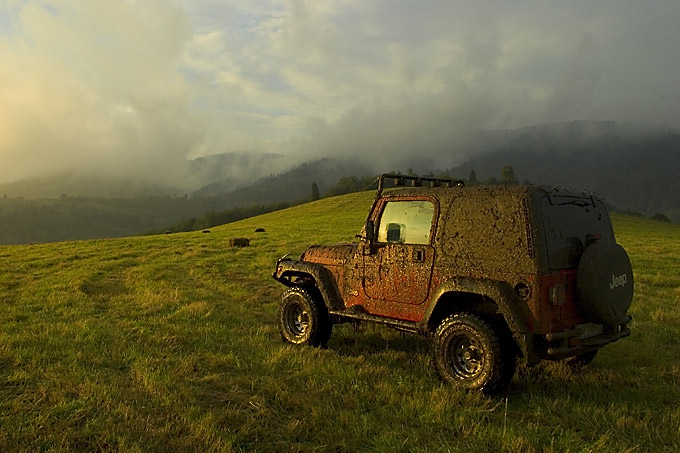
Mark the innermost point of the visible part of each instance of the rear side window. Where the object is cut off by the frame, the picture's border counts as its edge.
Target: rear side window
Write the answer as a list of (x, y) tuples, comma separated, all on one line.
[(568, 224), (406, 222)]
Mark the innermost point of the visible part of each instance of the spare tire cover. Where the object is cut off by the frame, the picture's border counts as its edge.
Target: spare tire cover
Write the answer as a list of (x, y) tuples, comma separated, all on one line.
[(604, 282)]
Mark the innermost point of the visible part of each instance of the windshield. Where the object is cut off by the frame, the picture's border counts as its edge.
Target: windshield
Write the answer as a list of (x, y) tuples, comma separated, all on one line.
[(569, 223)]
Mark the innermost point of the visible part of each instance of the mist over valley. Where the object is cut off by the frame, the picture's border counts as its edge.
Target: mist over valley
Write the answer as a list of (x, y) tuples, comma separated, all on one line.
[(633, 167)]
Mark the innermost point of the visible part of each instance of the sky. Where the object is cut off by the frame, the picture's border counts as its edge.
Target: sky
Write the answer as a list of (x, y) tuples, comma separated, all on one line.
[(138, 86)]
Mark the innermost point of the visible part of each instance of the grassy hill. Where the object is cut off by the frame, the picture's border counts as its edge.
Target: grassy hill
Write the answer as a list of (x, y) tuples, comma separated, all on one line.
[(68, 217), (169, 343)]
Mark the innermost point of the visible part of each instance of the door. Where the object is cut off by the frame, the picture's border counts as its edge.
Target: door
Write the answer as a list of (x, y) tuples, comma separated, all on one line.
[(398, 266)]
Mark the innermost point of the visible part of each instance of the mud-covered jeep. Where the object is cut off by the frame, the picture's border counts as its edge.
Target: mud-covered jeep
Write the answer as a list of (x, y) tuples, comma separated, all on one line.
[(490, 274)]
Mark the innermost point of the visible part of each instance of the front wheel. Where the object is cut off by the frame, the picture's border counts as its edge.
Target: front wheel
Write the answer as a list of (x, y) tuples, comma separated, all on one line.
[(303, 318), (469, 353)]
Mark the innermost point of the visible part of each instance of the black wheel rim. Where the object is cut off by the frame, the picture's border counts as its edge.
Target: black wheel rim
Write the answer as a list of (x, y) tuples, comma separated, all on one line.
[(297, 319), (466, 357)]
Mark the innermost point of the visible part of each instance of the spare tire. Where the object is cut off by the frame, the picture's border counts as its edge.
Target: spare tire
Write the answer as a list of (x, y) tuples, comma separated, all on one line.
[(604, 282)]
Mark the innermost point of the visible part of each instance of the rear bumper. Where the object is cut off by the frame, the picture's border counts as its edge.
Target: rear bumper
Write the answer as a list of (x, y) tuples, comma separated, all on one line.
[(568, 343)]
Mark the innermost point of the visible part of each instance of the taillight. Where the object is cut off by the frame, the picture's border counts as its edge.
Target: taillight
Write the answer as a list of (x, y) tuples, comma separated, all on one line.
[(557, 295)]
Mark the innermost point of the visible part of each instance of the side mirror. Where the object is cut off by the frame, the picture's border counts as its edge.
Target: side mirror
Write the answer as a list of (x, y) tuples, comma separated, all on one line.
[(370, 230)]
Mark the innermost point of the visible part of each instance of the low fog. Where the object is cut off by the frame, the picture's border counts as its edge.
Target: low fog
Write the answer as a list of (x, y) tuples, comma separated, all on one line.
[(134, 89)]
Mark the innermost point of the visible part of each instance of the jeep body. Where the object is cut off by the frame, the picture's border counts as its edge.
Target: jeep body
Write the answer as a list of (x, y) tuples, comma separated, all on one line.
[(492, 273)]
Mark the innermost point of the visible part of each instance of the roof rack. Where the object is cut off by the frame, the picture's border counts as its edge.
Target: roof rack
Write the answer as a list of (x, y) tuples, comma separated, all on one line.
[(418, 181)]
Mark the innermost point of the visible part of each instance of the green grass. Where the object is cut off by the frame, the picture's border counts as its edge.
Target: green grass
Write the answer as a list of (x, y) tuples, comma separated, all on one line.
[(169, 343)]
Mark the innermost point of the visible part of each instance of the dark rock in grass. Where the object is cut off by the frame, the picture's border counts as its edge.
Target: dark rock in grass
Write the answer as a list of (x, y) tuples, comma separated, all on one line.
[(239, 242), (660, 217), (260, 230)]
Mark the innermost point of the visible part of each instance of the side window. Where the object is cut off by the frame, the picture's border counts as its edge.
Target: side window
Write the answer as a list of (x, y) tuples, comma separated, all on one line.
[(406, 222)]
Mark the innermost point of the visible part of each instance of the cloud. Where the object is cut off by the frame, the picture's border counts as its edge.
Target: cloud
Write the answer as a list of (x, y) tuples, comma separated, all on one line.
[(137, 86), (93, 85), (372, 80)]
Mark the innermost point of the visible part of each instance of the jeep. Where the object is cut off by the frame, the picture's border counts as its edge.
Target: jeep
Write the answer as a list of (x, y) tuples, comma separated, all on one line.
[(489, 274)]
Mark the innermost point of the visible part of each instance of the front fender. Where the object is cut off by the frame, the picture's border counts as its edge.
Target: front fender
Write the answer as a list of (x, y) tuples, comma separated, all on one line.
[(289, 272)]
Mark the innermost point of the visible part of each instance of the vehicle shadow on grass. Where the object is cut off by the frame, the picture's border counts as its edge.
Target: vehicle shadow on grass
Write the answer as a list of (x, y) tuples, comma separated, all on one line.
[(649, 387), (632, 404), (368, 339), (5, 364), (393, 352)]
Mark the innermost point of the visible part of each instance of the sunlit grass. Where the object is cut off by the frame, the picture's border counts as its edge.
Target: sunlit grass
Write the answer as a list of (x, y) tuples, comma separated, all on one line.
[(170, 343)]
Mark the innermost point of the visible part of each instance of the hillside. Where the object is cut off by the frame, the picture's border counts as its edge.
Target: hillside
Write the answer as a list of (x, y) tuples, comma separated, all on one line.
[(169, 343), (70, 217)]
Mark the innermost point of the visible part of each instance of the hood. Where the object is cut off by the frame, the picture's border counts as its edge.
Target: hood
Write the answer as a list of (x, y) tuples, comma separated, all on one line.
[(337, 254)]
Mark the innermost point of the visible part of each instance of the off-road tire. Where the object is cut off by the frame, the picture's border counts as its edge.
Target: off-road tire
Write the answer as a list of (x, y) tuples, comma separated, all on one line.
[(303, 318), (469, 353)]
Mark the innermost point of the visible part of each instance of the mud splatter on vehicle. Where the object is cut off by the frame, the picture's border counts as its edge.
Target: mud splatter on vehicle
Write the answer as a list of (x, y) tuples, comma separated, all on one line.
[(491, 274)]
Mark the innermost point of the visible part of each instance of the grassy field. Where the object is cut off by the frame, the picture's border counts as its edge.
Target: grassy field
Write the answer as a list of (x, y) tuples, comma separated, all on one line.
[(169, 343)]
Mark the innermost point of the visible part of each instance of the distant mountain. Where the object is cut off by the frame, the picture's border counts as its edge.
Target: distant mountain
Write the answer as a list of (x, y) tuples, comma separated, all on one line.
[(214, 174), (73, 184), (293, 184), (547, 137), (221, 173), (634, 168)]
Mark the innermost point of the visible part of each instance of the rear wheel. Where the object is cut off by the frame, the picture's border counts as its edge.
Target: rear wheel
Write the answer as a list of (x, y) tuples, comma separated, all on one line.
[(303, 318), (469, 353)]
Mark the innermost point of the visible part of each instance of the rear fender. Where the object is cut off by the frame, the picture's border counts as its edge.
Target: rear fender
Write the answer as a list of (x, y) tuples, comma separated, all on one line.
[(485, 296)]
